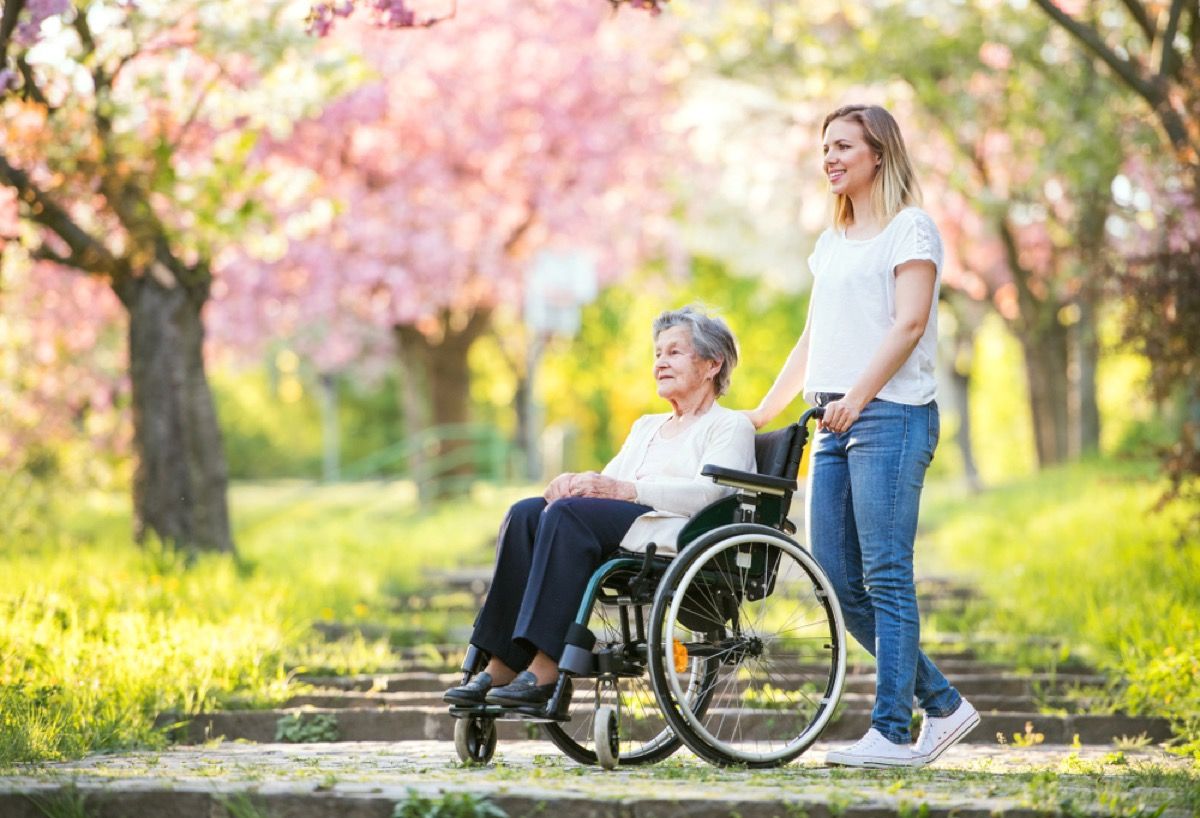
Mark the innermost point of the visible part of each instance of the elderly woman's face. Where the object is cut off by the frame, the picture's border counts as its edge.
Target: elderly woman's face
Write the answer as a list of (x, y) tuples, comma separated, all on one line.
[(678, 370)]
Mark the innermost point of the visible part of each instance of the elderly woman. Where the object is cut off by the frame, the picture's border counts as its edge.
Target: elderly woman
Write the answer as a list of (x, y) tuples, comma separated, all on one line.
[(549, 546)]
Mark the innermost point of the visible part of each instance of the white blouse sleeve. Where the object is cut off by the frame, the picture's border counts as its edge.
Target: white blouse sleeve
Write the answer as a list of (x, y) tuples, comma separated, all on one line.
[(918, 240)]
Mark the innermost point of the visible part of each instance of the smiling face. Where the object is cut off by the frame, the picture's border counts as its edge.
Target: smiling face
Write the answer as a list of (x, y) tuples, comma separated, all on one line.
[(680, 373), (850, 162)]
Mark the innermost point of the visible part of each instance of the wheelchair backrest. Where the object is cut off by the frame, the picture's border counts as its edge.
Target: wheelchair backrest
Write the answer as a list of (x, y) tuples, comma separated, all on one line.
[(778, 453)]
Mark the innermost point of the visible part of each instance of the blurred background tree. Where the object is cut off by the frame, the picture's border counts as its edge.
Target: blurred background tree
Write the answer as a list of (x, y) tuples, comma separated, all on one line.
[(435, 187), (366, 231), (126, 131)]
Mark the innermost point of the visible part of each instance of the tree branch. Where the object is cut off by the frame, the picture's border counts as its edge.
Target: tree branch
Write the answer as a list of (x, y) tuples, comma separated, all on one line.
[(87, 253), (1139, 14), (8, 24), (1169, 63), (1152, 90), (1090, 38)]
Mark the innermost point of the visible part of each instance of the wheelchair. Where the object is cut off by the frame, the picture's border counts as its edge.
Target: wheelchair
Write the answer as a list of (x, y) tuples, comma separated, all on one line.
[(735, 647)]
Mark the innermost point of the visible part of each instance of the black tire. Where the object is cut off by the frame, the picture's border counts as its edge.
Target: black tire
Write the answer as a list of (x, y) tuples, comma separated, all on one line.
[(475, 739), (776, 636), (647, 738)]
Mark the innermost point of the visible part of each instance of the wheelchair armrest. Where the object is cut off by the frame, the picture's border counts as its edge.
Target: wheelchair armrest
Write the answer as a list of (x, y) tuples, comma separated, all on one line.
[(751, 481)]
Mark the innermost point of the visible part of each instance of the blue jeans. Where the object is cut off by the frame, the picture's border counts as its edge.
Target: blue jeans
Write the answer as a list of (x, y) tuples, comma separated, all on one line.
[(864, 491)]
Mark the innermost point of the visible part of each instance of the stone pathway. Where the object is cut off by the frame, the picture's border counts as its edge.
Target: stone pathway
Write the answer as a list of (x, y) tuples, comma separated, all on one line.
[(530, 778)]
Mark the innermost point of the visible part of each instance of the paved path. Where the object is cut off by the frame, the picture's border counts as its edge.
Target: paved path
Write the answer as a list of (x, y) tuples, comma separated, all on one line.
[(531, 778)]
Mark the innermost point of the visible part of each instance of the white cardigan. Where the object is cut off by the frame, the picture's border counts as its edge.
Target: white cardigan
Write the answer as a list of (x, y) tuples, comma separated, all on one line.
[(721, 437)]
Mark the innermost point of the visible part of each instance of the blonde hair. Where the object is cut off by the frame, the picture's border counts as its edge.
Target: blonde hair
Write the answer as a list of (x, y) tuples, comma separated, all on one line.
[(895, 185)]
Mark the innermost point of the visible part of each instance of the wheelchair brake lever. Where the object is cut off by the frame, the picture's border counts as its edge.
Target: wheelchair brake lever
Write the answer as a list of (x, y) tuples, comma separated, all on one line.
[(639, 581)]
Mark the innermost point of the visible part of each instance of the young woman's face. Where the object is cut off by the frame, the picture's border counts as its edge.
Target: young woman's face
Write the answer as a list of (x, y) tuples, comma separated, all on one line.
[(850, 163)]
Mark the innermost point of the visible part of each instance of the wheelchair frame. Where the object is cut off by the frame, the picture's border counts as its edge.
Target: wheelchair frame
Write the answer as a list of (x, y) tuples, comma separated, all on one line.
[(735, 552)]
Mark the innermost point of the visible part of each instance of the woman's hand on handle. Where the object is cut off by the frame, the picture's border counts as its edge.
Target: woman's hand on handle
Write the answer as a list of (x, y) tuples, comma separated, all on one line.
[(840, 414)]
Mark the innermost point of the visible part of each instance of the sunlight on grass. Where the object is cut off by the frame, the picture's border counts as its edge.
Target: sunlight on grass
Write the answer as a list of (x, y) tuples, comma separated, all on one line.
[(1076, 557), (97, 636)]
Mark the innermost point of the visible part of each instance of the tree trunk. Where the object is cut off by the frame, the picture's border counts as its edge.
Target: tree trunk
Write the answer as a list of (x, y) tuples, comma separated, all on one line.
[(331, 438), (1045, 349), (529, 414), (1086, 346), (438, 387), (960, 399), (180, 480)]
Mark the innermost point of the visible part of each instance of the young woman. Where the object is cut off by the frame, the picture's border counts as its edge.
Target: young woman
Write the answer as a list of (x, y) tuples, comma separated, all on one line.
[(867, 355)]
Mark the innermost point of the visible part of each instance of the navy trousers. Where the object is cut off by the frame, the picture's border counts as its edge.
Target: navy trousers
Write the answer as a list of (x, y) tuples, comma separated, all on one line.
[(545, 555)]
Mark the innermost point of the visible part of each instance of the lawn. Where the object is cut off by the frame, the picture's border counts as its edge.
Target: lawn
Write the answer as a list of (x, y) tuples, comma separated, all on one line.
[(98, 636)]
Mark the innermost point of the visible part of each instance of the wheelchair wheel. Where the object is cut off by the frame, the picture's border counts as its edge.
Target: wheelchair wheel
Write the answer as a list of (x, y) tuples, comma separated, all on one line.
[(645, 736), (608, 740), (757, 605), (475, 739)]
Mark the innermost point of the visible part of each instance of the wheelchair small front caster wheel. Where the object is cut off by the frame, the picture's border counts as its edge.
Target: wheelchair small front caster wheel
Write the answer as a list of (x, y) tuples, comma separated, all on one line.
[(607, 738), (475, 739)]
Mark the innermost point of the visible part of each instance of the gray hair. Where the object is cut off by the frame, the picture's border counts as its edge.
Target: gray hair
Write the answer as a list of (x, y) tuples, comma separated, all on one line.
[(711, 337)]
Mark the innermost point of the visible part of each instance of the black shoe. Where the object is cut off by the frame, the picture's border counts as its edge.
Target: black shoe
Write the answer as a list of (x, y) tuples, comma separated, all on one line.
[(470, 693), (522, 690)]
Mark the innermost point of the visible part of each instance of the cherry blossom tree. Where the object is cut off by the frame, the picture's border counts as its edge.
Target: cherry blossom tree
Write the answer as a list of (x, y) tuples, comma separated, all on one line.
[(124, 131), (419, 201)]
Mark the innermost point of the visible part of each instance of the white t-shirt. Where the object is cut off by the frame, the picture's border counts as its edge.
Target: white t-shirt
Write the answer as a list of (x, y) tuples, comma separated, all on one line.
[(853, 306)]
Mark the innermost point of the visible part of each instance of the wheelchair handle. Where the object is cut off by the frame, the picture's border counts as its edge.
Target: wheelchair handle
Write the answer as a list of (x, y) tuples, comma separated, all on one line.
[(817, 412)]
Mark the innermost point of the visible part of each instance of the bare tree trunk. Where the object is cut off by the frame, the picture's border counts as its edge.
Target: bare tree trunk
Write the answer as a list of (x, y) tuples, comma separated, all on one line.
[(1086, 348), (960, 399), (437, 378), (181, 477), (529, 416), (1045, 350), (331, 439), (960, 349)]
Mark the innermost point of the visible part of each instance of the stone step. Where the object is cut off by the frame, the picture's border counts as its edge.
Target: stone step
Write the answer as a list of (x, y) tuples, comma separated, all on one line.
[(433, 723), (369, 780), (358, 700), (997, 683)]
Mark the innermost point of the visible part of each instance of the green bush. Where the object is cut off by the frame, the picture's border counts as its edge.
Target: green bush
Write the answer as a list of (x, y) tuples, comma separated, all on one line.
[(1075, 556)]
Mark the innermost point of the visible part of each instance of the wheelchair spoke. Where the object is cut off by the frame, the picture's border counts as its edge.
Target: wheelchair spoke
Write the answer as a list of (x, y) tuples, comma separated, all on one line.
[(779, 659)]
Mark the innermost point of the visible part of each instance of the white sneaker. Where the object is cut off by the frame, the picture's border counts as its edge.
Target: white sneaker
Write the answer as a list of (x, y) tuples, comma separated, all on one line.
[(873, 750), (939, 734)]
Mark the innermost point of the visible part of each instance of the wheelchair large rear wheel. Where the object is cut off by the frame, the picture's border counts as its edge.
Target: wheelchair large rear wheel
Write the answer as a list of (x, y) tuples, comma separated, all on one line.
[(645, 736), (752, 602)]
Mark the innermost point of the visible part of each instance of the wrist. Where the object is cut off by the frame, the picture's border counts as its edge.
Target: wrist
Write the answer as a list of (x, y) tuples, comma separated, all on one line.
[(855, 399)]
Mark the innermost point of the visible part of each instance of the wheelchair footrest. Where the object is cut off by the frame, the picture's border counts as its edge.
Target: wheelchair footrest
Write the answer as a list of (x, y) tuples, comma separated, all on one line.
[(529, 713)]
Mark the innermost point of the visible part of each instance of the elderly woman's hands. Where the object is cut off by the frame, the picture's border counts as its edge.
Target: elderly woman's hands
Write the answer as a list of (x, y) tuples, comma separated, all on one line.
[(590, 484)]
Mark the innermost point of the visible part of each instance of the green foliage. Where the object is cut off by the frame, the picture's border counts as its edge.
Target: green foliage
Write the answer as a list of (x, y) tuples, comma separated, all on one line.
[(241, 805), (449, 805), (271, 420), (1076, 555), (67, 802), (98, 636), (306, 728)]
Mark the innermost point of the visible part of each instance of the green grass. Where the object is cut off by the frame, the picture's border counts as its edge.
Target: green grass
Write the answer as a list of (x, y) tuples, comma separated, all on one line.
[(97, 636), (1076, 559)]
